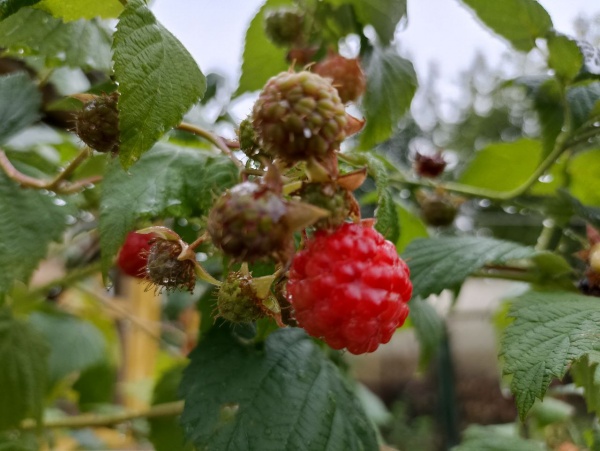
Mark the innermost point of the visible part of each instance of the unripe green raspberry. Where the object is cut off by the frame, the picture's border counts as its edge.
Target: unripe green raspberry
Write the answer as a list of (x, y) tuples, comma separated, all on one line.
[(97, 124), (249, 141), (284, 26), (330, 197), (248, 223), (298, 116), (237, 300), (438, 209)]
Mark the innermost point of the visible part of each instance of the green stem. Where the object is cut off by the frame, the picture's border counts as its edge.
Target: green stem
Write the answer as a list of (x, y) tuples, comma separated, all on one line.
[(70, 278), (214, 139), (93, 420)]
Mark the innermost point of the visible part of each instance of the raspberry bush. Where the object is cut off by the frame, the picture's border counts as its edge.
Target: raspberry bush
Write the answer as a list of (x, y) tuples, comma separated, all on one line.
[(137, 231)]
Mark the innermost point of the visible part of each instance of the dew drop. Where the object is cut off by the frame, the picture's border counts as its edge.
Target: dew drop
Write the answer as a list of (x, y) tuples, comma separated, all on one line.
[(546, 178), (484, 203), (59, 202)]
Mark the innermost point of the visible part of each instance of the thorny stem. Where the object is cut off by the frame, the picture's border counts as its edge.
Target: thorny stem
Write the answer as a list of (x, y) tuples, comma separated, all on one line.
[(215, 139), (58, 185), (94, 420)]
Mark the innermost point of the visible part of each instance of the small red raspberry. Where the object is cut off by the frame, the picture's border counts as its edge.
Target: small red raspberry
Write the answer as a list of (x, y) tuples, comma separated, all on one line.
[(429, 165), (345, 74), (133, 256), (350, 288)]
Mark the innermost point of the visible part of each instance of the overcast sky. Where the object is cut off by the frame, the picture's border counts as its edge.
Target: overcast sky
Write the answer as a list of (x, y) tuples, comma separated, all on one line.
[(440, 31)]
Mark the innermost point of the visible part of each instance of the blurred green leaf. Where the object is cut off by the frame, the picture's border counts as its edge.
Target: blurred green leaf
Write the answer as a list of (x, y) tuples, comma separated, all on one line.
[(496, 438), (9, 7), (20, 103), (35, 32), (158, 80), (584, 169), (183, 183), (166, 433), (587, 213), (18, 441), (383, 15), (411, 228), (586, 374), (503, 166), (261, 59), (439, 263), (96, 385), (29, 222), (521, 22), (391, 85), (75, 345), (564, 56), (551, 330), (286, 395), (23, 371), (429, 328), (69, 10)]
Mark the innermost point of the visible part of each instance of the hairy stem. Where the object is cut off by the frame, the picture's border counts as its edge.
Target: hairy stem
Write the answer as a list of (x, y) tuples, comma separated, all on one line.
[(214, 139), (69, 279), (59, 184), (93, 420)]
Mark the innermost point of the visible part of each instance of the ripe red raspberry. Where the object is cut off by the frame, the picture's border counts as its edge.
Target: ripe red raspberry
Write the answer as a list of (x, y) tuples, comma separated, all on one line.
[(350, 288), (133, 256), (345, 74)]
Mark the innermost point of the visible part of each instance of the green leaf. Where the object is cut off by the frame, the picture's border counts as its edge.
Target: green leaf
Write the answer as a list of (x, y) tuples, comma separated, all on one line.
[(20, 103), (589, 214), (585, 183), (69, 10), (29, 222), (551, 330), (96, 385), (9, 7), (564, 56), (411, 226), (23, 354), (81, 44), (383, 15), (387, 216), (583, 99), (167, 181), (261, 59), (166, 433), (158, 80), (286, 396), (391, 85), (503, 166), (586, 374), (23, 441), (429, 328), (439, 263), (521, 22), (496, 438), (75, 345)]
